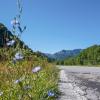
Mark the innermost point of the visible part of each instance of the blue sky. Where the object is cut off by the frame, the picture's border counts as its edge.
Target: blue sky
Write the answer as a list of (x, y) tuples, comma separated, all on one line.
[(53, 25)]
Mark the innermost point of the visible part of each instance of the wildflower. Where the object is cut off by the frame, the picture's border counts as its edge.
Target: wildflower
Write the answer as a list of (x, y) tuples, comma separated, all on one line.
[(17, 81), (11, 43), (51, 94), (1, 93), (14, 22), (18, 56), (36, 69)]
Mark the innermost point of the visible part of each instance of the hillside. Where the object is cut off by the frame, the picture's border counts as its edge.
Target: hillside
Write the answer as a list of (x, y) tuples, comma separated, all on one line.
[(5, 36), (89, 56)]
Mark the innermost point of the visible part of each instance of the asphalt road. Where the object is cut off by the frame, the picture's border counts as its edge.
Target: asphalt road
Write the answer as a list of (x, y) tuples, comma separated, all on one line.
[(79, 83)]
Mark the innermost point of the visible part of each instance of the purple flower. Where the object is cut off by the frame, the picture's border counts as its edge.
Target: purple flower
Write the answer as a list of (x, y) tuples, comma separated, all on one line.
[(36, 69), (51, 94), (17, 81), (11, 43), (18, 56), (14, 22)]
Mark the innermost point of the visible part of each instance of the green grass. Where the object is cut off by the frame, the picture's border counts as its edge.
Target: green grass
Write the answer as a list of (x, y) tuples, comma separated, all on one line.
[(32, 86)]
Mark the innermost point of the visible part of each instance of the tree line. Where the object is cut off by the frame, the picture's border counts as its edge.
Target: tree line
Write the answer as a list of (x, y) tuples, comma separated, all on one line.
[(89, 56)]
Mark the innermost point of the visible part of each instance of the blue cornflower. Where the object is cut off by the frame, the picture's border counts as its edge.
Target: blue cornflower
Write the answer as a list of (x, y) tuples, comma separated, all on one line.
[(36, 69), (51, 94), (10, 43), (18, 56)]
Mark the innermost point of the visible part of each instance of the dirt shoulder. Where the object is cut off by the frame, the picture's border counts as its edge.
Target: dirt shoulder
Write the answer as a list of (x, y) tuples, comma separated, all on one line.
[(79, 83)]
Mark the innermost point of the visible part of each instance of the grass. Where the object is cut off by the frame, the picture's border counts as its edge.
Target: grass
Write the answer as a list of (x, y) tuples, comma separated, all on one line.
[(18, 82)]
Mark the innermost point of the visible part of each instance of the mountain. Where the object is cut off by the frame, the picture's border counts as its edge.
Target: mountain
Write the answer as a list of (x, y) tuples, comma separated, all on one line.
[(89, 56), (61, 55)]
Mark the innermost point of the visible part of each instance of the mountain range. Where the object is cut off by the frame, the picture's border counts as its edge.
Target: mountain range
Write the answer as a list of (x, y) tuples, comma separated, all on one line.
[(63, 54), (89, 56)]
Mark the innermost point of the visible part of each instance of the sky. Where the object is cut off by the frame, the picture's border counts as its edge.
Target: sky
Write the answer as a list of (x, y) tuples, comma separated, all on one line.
[(53, 25)]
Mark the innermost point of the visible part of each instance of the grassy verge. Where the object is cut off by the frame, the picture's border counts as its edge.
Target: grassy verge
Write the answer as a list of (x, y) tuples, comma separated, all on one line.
[(18, 82)]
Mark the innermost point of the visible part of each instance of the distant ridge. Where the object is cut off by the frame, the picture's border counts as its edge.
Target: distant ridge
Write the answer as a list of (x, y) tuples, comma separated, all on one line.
[(63, 54), (89, 56)]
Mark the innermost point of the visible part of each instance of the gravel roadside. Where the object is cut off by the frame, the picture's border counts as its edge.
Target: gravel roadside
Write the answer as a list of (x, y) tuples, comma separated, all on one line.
[(69, 91), (79, 83)]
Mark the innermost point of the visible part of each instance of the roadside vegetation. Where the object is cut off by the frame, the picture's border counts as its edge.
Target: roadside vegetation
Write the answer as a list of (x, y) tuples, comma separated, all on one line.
[(89, 56), (24, 74), (33, 79)]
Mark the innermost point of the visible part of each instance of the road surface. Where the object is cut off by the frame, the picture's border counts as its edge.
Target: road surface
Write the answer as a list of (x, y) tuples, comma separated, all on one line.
[(79, 83)]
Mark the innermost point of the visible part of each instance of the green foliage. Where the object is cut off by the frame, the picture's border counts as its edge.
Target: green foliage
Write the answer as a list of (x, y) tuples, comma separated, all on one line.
[(89, 56), (33, 86), (27, 75)]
